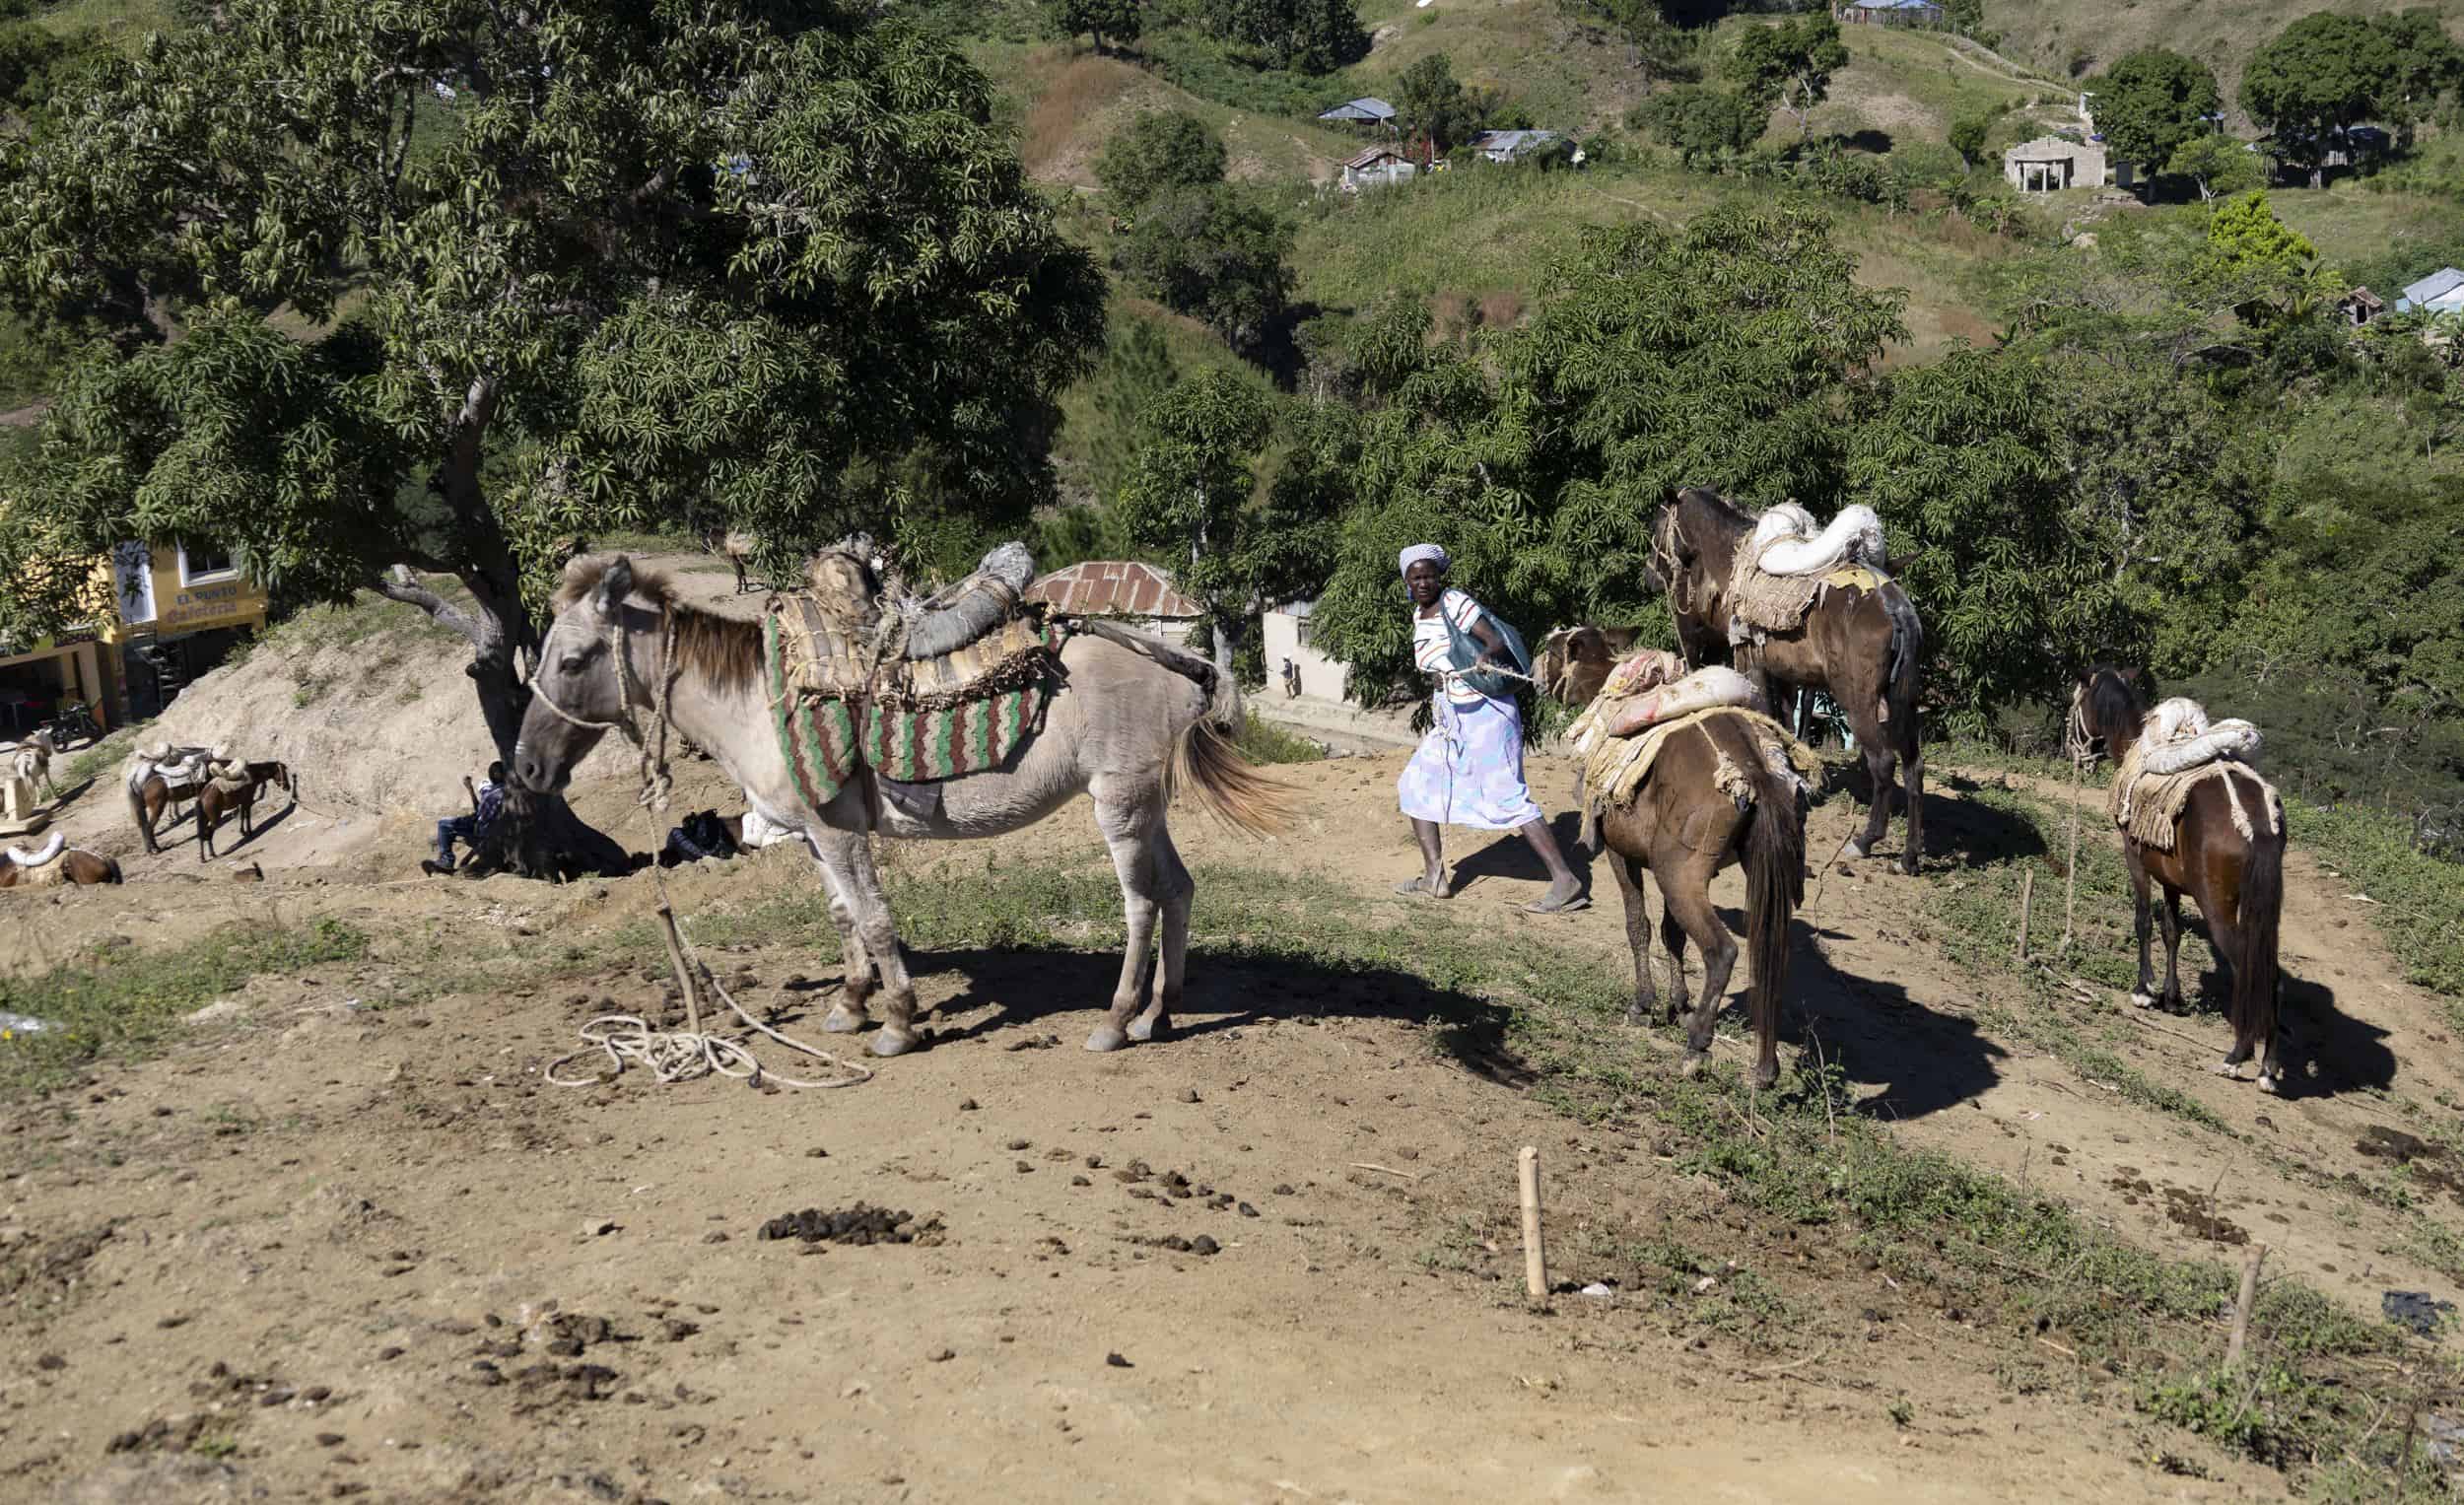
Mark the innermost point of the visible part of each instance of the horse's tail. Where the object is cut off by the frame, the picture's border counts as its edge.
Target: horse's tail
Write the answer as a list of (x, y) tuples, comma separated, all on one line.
[(1775, 884), (110, 869), (137, 805), (1907, 651), (1227, 783), (2255, 970)]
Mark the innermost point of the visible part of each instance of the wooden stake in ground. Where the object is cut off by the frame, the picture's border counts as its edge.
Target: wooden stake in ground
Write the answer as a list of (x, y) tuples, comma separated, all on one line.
[(2027, 901), (1535, 1256), (2241, 1308), (675, 961), (2069, 876)]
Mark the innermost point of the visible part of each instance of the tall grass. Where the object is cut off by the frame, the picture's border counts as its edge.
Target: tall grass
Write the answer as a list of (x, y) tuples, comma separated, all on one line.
[(2420, 906)]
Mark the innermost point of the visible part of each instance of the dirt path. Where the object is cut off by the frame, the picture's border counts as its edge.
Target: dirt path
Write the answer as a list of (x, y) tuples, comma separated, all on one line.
[(338, 1205)]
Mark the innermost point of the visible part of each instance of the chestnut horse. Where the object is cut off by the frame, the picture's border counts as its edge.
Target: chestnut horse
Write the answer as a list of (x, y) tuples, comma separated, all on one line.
[(2238, 881), (72, 864), (214, 801), (1685, 828), (1864, 647)]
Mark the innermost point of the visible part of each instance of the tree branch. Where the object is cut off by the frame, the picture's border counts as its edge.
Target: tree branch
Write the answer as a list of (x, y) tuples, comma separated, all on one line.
[(400, 584)]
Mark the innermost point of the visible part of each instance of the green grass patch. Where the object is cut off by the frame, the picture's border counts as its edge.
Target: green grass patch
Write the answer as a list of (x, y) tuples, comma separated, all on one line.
[(1262, 741), (125, 1005), (2420, 899)]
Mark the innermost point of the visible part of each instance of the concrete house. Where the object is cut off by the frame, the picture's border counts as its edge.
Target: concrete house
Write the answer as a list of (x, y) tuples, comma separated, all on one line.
[(2049, 162), (1379, 166), (1288, 640)]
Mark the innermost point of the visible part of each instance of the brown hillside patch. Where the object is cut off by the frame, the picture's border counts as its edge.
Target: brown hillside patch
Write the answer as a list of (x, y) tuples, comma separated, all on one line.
[(1077, 112)]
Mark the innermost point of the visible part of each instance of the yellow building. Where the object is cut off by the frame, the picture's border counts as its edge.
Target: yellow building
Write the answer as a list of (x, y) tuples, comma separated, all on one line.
[(169, 613)]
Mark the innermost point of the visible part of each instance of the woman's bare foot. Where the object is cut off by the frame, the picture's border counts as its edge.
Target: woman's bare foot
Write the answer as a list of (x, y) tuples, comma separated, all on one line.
[(1564, 895)]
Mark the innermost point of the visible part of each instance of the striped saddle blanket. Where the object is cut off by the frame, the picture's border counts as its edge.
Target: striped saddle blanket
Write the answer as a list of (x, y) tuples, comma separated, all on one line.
[(837, 708)]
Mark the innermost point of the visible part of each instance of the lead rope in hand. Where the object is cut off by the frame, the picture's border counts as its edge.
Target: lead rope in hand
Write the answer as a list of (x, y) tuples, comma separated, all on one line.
[(674, 1055)]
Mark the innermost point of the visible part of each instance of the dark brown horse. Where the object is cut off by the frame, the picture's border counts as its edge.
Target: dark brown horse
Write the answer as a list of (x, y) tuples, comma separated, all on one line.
[(151, 800), (1575, 662), (1685, 827), (1864, 647), (2238, 881), (72, 866), (215, 801)]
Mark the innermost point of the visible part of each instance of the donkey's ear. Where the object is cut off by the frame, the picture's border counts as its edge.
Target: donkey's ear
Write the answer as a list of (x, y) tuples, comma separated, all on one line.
[(614, 586), (2130, 676)]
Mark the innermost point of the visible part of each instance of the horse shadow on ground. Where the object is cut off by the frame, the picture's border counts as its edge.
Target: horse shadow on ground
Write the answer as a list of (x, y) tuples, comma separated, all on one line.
[(257, 827), (2324, 1051), (1509, 857), (1010, 991), (1912, 1061), (1963, 833)]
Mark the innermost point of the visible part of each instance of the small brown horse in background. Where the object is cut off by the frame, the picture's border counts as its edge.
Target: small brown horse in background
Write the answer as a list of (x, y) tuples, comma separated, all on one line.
[(1685, 828), (1864, 647), (151, 800), (214, 801), (2238, 881)]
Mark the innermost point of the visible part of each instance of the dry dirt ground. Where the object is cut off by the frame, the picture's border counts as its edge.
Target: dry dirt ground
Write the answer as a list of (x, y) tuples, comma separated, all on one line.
[(344, 1240)]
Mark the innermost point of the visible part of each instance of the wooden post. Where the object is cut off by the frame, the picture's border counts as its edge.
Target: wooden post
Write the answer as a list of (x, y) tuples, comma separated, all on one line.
[(2027, 901), (1534, 1255), (2241, 1308), (675, 961), (2069, 876)]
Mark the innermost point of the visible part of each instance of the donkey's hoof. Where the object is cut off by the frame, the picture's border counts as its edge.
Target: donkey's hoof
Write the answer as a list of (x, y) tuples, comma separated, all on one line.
[(1694, 1062), (1147, 1027), (892, 1042), (2230, 1070), (1765, 1079), (1854, 852), (1107, 1037), (1636, 1017), (844, 1020), (2270, 1082), (2142, 998)]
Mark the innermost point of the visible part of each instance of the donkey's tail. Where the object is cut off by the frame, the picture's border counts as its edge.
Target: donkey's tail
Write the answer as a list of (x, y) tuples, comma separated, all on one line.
[(2255, 970), (1775, 884), (1227, 783), (112, 870)]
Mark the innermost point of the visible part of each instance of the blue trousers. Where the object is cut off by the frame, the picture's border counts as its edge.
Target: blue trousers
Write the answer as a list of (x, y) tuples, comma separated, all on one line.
[(461, 828)]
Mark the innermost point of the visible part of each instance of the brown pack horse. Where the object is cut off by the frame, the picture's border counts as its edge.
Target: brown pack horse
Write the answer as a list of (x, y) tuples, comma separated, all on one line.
[(1864, 647), (75, 865), (214, 801), (2238, 881), (1685, 828), (148, 802)]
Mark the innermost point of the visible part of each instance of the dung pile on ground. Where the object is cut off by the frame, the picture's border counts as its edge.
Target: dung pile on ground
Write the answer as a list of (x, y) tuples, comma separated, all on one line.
[(859, 1224)]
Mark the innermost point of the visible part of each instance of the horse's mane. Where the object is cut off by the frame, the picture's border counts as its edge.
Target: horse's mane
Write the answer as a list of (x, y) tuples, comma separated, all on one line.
[(726, 650), (2114, 701), (1711, 500)]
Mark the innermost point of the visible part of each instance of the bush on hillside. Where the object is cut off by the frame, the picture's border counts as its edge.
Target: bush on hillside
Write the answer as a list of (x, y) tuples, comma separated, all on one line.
[(1210, 253), (1309, 35), (1161, 149), (1702, 122)]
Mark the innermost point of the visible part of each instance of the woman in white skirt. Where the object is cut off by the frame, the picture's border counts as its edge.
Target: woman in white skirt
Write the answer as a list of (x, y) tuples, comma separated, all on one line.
[(1468, 769)]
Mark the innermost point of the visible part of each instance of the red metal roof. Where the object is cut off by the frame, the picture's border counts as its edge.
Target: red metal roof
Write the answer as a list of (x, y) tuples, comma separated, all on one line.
[(1113, 588)]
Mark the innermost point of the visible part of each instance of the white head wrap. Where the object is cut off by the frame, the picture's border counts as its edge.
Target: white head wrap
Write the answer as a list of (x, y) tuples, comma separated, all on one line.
[(1422, 551)]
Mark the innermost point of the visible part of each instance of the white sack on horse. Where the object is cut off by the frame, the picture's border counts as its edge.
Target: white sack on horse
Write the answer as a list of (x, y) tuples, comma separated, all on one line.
[(1787, 542), (1703, 690), (2179, 737), (40, 854)]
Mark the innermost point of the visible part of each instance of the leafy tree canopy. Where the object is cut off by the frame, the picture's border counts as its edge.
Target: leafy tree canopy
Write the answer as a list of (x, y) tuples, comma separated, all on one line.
[(1161, 149), (2217, 164), (775, 265), (2322, 73), (2151, 101), (1701, 121), (1109, 22), (1214, 254), (1310, 35), (1789, 64), (1435, 103)]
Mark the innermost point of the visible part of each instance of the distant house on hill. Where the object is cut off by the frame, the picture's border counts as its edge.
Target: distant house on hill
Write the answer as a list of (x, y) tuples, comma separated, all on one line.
[(2049, 162), (1893, 13), (1127, 590), (2442, 292), (1377, 168), (1365, 110), (1517, 146), (2359, 306)]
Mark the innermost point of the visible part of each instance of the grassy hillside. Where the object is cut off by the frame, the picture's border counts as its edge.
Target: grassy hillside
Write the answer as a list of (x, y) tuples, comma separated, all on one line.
[(1903, 85), (2083, 37)]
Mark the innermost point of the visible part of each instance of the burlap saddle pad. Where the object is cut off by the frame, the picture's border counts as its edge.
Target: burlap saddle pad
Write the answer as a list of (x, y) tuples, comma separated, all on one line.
[(1616, 767), (843, 699)]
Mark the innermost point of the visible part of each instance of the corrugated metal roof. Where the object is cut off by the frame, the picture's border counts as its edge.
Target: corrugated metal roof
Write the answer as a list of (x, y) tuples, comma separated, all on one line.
[(1113, 588), (2437, 284), (1373, 154), (1366, 107), (1511, 142)]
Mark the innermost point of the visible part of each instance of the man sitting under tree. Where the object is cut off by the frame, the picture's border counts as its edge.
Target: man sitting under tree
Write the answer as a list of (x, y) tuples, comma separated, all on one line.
[(486, 803)]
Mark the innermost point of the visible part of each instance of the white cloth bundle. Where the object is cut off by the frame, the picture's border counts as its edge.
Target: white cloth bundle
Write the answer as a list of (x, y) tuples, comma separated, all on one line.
[(1787, 542), (2179, 737), (42, 854)]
